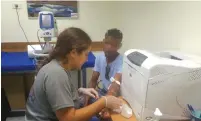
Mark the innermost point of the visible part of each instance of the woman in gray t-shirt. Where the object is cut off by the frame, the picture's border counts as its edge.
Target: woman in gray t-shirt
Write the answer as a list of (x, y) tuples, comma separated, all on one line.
[(53, 96)]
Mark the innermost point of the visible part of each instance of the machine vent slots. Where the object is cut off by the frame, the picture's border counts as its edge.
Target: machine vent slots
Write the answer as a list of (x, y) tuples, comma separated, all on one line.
[(194, 75)]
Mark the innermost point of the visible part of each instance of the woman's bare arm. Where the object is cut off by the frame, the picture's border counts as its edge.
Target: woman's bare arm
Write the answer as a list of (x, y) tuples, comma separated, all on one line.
[(83, 114)]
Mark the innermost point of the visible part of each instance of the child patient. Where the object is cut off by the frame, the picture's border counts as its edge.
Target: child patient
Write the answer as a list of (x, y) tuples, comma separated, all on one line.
[(106, 77)]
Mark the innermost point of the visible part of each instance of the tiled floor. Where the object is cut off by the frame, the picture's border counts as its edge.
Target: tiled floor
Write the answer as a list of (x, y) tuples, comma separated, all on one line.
[(15, 118)]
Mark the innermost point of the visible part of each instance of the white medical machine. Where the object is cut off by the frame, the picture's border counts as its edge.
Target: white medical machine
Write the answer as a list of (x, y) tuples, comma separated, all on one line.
[(167, 81), (48, 30)]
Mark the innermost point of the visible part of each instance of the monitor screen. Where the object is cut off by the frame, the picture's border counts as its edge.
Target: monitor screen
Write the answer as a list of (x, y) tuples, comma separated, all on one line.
[(46, 21)]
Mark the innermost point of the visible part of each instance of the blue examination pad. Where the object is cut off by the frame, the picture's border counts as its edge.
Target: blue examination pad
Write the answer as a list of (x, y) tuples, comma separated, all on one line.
[(20, 62), (90, 62), (16, 62)]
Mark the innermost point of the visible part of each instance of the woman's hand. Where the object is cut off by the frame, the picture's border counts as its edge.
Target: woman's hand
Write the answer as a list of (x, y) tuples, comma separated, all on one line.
[(89, 92), (113, 102)]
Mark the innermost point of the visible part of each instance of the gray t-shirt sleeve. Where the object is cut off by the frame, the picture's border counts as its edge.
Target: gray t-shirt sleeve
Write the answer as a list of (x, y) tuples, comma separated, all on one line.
[(58, 91)]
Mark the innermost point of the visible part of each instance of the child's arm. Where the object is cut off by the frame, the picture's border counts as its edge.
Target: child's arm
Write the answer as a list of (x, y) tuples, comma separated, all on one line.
[(113, 90), (115, 87), (92, 84), (94, 79)]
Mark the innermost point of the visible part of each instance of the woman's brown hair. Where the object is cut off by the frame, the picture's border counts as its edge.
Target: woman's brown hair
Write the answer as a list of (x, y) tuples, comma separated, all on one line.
[(71, 38)]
